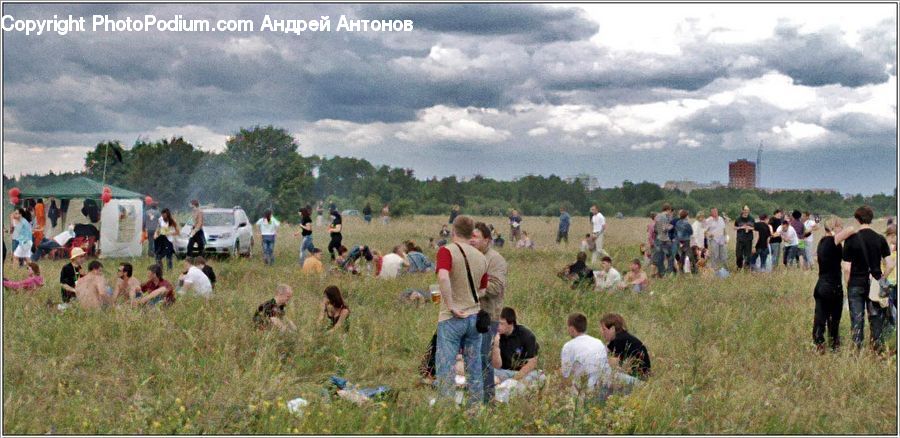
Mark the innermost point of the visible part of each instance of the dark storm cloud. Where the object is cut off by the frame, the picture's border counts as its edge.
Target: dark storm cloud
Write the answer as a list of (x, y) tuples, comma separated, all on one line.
[(820, 58), (532, 23)]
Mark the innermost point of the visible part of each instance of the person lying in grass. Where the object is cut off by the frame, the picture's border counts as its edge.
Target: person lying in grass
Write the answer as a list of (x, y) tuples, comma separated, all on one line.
[(30, 284), (272, 314), (334, 308)]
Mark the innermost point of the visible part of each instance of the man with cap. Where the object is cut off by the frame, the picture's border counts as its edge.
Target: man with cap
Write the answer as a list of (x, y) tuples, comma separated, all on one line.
[(70, 273)]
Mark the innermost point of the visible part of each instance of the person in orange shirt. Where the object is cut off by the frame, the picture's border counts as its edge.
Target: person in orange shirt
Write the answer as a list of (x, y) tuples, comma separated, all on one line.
[(40, 220)]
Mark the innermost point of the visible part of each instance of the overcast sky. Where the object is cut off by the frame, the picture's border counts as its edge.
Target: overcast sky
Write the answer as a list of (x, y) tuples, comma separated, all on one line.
[(639, 92)]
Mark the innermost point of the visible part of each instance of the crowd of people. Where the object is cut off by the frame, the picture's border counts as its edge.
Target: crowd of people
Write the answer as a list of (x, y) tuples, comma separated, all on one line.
[(473, 325)]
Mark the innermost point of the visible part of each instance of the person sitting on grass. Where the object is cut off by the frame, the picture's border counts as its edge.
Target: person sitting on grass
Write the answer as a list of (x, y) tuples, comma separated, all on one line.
[(346, 260), (514, 350), (499, 242), (635, 279), (313, 262), (418, 262), (577, 272), (127, 286), (584, 363), (194, 280), (334, 308), (156, 290), (525, 242), (392, 263), (607, 277), (271, 313), (626, 352), (207, 270), (91, 290), (30, 284)]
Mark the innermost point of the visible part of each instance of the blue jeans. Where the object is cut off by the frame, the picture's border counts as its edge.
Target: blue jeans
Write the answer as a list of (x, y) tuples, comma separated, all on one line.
[(775, 253), (663, 249), (151, 243), (762, 254), (450, 335), (268, 247), (486, 367), (791, 255), (859, 304), (305, 247)]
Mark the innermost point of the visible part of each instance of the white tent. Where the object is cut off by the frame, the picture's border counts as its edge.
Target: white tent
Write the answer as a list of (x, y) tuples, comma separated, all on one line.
[(121, 224)]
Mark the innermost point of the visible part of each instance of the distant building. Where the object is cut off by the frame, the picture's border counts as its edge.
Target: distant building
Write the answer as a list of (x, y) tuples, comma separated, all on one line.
[(742, 174), (589, 182), (688, 186)]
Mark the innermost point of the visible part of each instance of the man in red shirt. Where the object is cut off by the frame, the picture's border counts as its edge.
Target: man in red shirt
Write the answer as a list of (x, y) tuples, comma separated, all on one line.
[(461, 268), (156, 288)]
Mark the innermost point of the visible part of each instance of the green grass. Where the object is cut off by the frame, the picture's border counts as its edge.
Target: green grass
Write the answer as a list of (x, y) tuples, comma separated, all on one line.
[(729, 356)]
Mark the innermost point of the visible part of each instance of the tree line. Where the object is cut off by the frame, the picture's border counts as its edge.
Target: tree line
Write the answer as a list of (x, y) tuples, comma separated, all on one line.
[(261, 168)]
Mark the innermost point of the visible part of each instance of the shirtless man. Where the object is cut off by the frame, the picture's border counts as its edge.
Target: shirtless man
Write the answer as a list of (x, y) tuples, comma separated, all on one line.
[(197, 239), (127, 286), (90, 290)]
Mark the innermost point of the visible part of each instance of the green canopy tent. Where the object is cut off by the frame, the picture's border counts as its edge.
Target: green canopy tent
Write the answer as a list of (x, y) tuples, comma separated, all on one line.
[(78, 188), (120, 221)]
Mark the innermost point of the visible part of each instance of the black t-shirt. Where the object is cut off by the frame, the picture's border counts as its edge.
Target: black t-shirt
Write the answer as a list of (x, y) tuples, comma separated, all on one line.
[(876, 248), (305, 220), (69, 276), (269, 309), (517, 347), (334, 223), (632, 354), (764, 233), (577, 267), (775, 223), (743, 234), (367, 211), (829, 256)]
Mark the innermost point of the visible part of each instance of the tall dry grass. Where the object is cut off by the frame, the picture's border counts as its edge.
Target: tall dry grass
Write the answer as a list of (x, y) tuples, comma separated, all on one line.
[(729, 356)]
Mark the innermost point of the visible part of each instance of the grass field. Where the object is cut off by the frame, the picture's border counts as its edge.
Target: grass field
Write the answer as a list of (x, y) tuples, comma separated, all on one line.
[(729, 356)]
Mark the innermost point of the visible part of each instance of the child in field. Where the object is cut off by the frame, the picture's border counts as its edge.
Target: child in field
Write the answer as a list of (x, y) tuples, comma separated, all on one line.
[(30, 284), (271, 313), (635, 279)]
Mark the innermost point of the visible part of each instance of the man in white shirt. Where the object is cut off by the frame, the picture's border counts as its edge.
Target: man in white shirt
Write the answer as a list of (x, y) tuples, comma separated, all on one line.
[(195, 280), (606, 278), (584, 362), (715, 234), (598, 228), (392, 263), (790, 241)]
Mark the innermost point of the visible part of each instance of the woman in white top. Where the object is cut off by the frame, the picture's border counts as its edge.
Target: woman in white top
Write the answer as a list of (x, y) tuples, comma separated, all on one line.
[(164, 237), (268, 227)]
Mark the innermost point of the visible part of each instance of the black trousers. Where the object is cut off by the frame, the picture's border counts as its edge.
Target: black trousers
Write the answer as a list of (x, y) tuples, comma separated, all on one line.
[(334, 244), (743, 251), (196, 244), (829, 298)]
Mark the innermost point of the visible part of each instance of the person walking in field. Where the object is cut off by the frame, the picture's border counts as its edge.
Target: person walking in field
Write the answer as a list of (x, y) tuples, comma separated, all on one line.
[(385, 214), (306, 231), (598, 229), (763, 232), (775, 241), (165, 236), (334, 230), (565, 220), (515, 225), (662, 246), (367, 213), (454, 212), (828, 293), (197, 242), (268, 228)]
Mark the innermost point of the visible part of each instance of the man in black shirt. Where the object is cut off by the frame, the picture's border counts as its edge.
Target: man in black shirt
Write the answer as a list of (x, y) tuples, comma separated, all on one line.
[(829, 294), (761, 250), (775, 242), (625, 350), (271, 313), (514, 349), (865, 250), (743, 248)]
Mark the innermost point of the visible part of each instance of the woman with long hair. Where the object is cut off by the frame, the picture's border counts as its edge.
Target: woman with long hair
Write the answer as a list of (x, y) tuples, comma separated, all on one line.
[(30, 284), (22, 234), (268, 227), (334, 308), (335, 231), (164, 237), (306, 229)]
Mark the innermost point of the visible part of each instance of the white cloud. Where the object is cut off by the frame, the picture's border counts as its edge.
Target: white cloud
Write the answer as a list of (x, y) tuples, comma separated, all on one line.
[(538, 131), (779, 90), (442, 123), (250, 46), (199, 136), (27, 158)]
